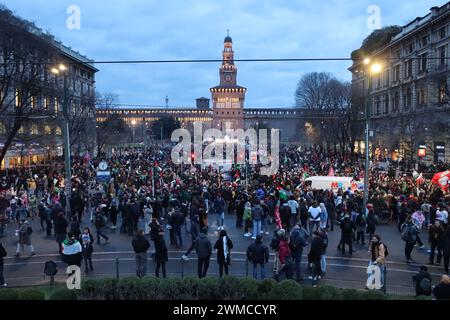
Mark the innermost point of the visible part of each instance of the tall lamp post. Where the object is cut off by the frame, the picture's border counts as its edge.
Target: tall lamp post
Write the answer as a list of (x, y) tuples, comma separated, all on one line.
[(62, 69), (133, 125), (372, 69)]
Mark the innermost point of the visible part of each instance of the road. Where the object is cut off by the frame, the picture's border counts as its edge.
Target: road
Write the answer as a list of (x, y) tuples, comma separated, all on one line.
[(342, 270)]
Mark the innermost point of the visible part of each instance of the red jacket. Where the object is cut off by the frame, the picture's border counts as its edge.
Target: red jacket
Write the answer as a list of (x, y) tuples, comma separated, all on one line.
[(283, 251)]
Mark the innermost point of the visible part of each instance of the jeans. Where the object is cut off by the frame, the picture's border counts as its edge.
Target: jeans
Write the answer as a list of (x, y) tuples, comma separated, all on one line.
[(255, 271), (141, 264), (160, 264), (297, 263), (2, 279), (360, 236), (349, 241), (178, 238), (313, 225), (256, 227), (192, 247), (264, 225), (409, 246), (101, 234), (323, 263), (202, 266), (220, 219), (87, 260), (435, 246)]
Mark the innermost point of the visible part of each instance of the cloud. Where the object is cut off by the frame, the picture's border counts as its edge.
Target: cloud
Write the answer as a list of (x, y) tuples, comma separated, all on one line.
[(176, 29)]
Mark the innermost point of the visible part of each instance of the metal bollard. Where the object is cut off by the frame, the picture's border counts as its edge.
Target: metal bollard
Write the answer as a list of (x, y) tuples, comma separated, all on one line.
[(117, 268), (246, 267), (182, 269)]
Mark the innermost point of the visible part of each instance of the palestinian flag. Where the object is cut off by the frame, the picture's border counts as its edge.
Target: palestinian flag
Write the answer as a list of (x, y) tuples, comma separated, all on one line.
[(305, 175), (442, 179), (283, 194)]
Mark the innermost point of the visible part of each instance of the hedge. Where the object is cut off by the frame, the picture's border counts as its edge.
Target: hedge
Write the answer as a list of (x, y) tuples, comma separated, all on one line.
[(191, 288)]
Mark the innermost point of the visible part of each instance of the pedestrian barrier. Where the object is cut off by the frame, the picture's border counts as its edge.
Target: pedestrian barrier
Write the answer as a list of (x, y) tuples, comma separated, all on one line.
[(117, 268)]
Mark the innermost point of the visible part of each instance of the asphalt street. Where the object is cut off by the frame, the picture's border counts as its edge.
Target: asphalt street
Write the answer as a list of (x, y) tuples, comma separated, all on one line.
[(342, 270)]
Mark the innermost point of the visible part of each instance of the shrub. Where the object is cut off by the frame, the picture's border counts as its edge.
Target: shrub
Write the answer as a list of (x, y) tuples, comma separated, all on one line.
[(188, 288), (265, 288), (424, 298), (9, 294), (63, 294), (329, 293), (310, 293), (129, 288), (148, 288), (286, 290), (229, 287), (168, 289), (351, 294), (248, 288), (374, 295), (99, 289), (208, 289), (31, 294)]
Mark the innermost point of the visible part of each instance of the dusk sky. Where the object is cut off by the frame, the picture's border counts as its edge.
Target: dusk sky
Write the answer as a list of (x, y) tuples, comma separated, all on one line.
[(175, 29)]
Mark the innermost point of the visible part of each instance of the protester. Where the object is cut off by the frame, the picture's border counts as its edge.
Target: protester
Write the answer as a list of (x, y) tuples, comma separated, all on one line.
[(422, 282), (442, 290), (161, 254), (378, 254), (24, 234), (223, 246), (140, 246), (72, 250), (2, 255), (258, 254), (297, 243), (87, 241), (204, 250)]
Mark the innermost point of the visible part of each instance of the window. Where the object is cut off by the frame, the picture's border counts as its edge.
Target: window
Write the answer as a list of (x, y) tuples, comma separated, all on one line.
[(58, 131), (33, 102), (46, 104), (423, 62), (378, 81), (18, 98), (442, 60), (386, 104), (56, 105), (377, 105), (396, 73), (407, 99), (411, 47), (397, 54), (387, 78), (2, 128), (21, 130), (442, 96), (34, 130), (442, 32), (408, 68), (396, 103), (424, 41), (47, 130), (422, 97)]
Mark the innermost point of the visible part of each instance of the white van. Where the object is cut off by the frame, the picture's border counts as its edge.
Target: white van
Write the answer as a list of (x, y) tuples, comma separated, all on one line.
[(334, 183)]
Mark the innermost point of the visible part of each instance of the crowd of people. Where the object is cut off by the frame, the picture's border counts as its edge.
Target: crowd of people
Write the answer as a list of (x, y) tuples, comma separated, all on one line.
[(281, 213)]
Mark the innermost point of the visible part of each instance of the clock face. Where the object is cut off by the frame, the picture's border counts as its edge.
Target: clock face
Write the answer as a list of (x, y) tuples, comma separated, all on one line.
[(228, 77), (103, 165)]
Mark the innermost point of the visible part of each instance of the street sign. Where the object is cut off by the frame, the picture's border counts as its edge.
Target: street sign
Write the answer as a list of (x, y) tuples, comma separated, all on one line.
[(421, 152), (103, 165), (103, 176)]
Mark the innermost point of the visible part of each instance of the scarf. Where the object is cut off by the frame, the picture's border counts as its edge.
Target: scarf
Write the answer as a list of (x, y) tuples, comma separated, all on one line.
[(225, 248)]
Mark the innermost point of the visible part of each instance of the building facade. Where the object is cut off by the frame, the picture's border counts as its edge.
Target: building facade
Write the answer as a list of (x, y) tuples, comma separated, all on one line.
[(41, 97), (409, 99)]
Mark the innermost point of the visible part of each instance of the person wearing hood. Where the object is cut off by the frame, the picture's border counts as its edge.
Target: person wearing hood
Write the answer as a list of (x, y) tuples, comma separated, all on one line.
[(194, 231), (140, 246), (297, 243), (314, 217), (285, 216), (177, 223), (24, 232), (72, 250), (347, 229), (257, 214), (247, 219), (223, 246), (284, 252), (258, 254), (422, 282), (161, 254), (203, 248)]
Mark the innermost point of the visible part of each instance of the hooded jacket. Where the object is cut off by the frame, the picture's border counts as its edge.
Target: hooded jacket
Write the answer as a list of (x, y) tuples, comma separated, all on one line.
[(71, 253), (257, 252), (203, 246)]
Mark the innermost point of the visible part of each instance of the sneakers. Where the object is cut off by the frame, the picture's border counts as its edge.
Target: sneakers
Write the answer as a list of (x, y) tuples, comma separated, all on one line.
[(254, 238), (310, 277), (3, 285), (184, 257), (421, 247), (267, 232), (248, 234)]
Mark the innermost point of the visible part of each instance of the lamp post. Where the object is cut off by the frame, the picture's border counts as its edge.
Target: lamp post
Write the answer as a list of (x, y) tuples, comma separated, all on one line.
[(133, 125), (372, 68), (62, 69)]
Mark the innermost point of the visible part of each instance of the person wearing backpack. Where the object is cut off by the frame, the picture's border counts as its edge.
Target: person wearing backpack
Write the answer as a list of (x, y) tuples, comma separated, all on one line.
[(378, 254), (24, 234), (409, 235), (297, 243), (422, 282), (100, 223), (2, 255), (257, 214)]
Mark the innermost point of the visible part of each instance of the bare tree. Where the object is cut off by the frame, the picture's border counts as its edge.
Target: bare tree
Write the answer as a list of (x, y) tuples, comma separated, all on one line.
[(24, 52)]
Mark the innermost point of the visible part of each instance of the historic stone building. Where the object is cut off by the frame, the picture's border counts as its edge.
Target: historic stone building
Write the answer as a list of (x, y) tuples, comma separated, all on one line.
[(64, 73), (227, 109), (410, 97)]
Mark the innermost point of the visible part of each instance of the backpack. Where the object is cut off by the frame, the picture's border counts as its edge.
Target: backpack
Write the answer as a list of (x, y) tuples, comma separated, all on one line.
[(407, 234), (50, 268), (425, 285)]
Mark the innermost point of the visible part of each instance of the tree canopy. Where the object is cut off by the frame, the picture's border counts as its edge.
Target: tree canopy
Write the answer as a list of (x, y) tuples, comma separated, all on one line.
[(377, 39)]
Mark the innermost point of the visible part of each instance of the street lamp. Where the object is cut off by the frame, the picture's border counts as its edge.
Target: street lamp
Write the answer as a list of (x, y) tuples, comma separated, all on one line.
[(57, 70), (133, 124), (372, 69)]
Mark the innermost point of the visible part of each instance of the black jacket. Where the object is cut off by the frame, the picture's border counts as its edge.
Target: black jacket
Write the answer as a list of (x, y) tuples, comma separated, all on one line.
[(257, 252), (2, 253), (161, 249), (297, 243), (140, 244), (316, 250), (417, 278), (177, 219), (60, 225), (220, 250), (446, 243), (442, 291), (347, 227), (203, 246)]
